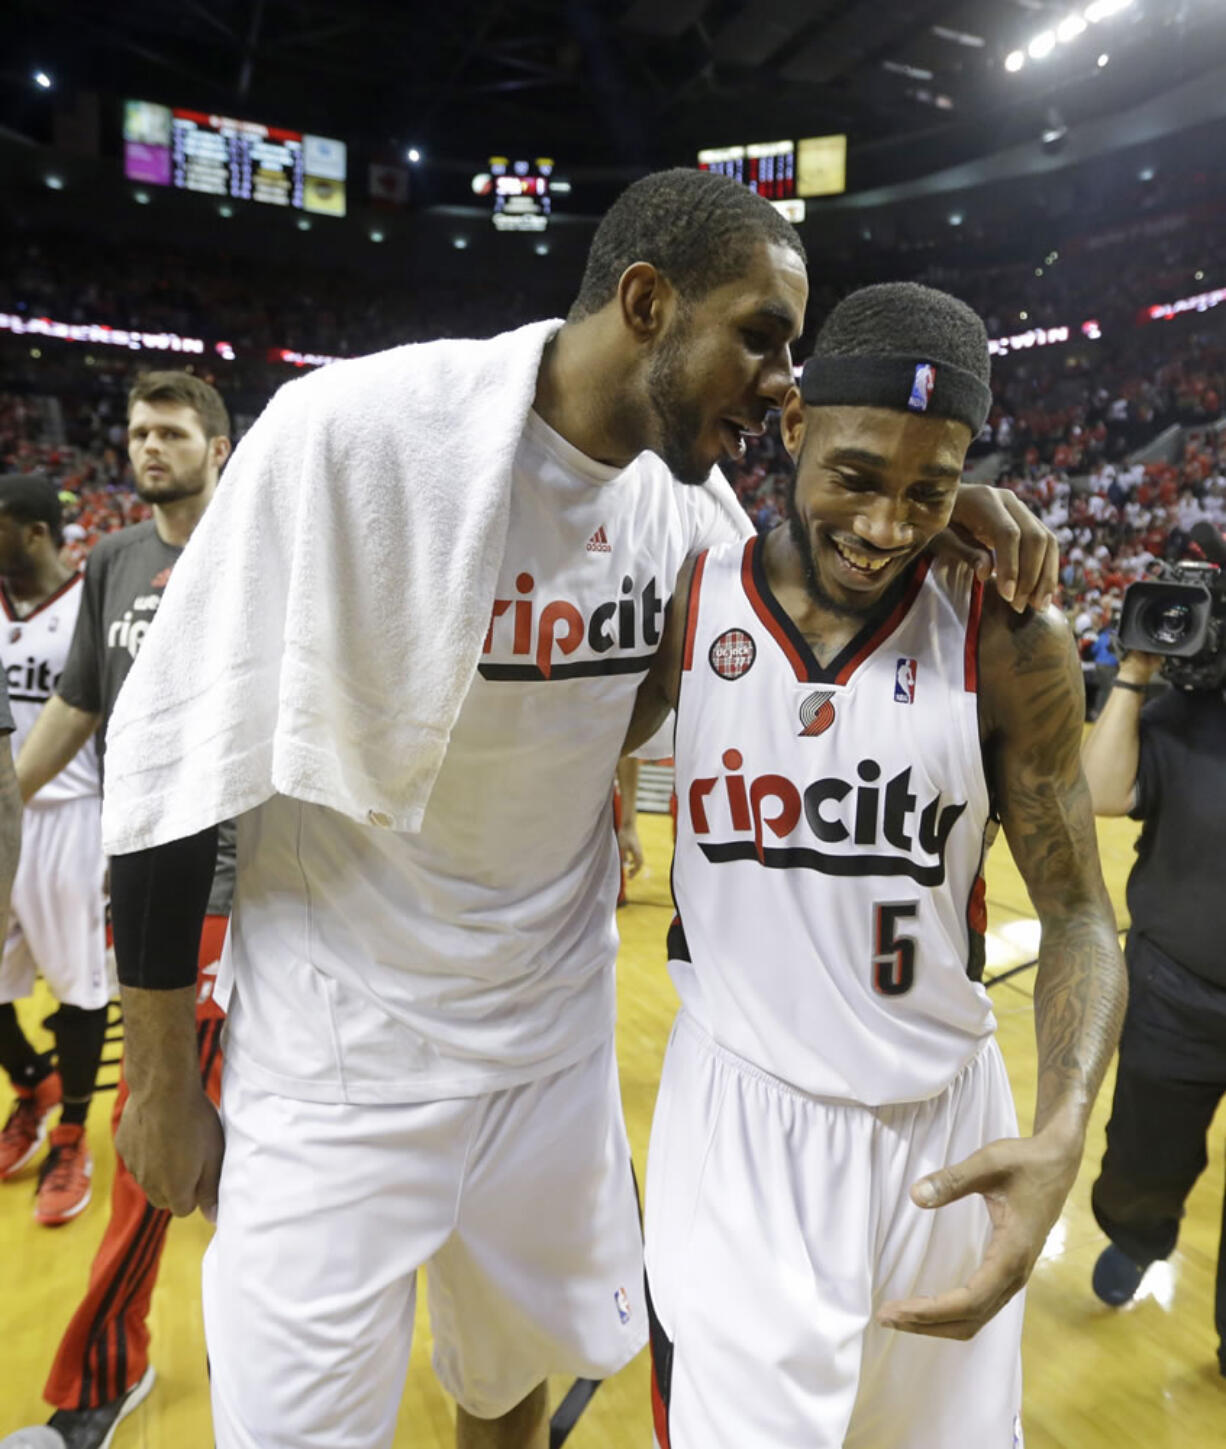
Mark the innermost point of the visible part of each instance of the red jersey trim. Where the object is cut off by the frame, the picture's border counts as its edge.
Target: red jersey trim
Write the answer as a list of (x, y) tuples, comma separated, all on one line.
[(971, 657), (766, 614), (888, 624), (46, 603), (691, 610)]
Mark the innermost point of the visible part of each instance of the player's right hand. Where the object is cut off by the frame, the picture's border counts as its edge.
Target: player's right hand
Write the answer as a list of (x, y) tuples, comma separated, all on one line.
[(173, 1148), (630, 848)]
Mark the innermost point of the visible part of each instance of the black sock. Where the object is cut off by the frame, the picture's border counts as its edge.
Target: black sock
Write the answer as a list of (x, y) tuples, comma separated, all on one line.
[(25, 1066), (78, 1042)]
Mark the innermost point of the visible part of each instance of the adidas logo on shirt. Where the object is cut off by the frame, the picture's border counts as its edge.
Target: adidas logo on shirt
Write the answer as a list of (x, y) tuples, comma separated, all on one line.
[(599, 542)]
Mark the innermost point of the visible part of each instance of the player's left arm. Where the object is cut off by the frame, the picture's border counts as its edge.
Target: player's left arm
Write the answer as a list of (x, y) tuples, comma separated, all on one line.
[(1032, 707)]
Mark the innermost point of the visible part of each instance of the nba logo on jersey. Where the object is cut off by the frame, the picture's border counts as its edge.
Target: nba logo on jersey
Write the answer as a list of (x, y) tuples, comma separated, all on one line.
[(904, 681), (1018, 1439), (921, 388), (623, 1305)]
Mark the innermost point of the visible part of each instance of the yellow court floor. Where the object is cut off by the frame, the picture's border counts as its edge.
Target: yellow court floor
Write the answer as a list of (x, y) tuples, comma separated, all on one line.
[(1141, 1378)]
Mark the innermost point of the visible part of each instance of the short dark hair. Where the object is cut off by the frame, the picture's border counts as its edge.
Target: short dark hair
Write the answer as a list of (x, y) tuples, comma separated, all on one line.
[(33, 498), (903, 319), (697, 228), (187, 390)]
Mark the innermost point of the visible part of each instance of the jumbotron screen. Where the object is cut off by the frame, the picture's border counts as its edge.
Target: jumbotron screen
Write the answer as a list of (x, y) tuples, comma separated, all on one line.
[(243, 160), (767, 167), (522, 193)]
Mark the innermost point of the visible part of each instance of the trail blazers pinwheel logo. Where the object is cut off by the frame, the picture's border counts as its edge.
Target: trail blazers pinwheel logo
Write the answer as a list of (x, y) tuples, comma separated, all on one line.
[(817, 712)]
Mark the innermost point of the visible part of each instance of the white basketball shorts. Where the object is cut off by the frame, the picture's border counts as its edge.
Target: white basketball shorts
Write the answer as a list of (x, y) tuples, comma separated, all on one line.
[(57, 916), (521, 1205), (777, 1224)]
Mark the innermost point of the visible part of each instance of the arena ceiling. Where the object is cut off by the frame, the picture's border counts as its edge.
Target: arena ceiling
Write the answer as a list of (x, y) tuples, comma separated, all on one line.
[(619, 83)]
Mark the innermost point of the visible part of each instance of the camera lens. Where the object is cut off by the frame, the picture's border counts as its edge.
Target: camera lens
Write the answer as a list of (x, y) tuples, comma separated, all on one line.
[(1168, 623)]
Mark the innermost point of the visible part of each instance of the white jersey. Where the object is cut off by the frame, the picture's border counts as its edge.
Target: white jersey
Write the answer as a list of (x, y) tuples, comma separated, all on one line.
[(372, 966), (830, 835), (34, 650)]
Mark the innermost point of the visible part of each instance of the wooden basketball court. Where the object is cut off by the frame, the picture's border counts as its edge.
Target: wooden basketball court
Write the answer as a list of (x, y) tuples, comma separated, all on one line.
[(1145, 1377)]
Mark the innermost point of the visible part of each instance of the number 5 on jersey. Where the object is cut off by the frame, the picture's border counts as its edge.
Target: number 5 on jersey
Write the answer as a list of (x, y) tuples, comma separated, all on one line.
[(893, 952)]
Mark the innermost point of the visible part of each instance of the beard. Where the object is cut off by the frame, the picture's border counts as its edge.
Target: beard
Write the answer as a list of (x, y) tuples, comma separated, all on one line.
[(679, 417), (804, 549), (172, 488)]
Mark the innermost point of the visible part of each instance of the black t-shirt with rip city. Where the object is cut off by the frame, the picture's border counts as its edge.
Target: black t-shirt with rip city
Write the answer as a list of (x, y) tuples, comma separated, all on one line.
[(125, 577), (1175, 892)]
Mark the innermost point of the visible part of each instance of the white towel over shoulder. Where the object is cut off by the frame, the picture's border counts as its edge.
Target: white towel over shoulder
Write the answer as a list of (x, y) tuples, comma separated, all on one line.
[(320, 632)]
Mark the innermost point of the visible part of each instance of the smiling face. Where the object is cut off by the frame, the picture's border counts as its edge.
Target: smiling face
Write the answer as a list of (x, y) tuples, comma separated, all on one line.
[(724, 361), (873, 486)]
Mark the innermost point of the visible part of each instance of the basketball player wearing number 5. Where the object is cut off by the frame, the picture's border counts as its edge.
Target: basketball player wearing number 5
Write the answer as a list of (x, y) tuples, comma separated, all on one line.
[(836, 1190)]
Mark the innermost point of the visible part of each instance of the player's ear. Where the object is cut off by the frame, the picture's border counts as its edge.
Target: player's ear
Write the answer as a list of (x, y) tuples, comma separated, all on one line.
[(646, 301), (219, 450), (792, 422)]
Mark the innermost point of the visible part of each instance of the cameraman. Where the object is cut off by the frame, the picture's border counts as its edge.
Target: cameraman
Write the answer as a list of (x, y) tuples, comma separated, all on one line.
[(1164, 762)]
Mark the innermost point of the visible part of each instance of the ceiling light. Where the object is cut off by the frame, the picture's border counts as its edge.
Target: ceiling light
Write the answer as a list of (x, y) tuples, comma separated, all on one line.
[(1038, 271), (42, 80), (1098, 10), (56, 183), (1200, 276), (1146, 173), (459, 242), (955, 218), (1070, 28), (304, 224), (141, 198), (1103, 59), (413, 154), (1042, 45), (376, 236), (1024, 316), (541, 249), (225, 209), (1015, 60)]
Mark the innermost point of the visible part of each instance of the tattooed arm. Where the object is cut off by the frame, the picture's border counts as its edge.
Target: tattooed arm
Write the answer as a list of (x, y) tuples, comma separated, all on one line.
[(1031, 710)]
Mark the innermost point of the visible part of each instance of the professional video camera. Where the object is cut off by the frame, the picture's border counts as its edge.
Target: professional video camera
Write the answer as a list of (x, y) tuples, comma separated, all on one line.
[(1181, 615)]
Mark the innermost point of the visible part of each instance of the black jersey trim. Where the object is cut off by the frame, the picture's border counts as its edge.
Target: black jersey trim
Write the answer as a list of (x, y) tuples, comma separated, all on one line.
[(14, 618), (879, 623)]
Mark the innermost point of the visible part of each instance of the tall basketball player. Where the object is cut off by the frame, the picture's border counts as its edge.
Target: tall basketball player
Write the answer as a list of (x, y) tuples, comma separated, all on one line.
[(56, 918), (178, 441), (836, 1190), (420, 1039)]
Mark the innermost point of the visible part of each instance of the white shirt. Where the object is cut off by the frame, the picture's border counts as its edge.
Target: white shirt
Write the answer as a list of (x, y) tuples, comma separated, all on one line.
[(370, 966), (34, 650)]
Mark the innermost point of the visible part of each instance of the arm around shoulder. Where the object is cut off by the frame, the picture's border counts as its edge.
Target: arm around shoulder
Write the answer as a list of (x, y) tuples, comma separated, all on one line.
[(658, 691)]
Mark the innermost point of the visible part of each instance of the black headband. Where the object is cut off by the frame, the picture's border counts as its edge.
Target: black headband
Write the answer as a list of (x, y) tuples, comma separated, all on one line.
[(908, 384)]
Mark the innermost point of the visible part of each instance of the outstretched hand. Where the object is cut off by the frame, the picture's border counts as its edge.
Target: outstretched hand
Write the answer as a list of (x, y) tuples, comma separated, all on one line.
[(994, 531), (1024, 1182)]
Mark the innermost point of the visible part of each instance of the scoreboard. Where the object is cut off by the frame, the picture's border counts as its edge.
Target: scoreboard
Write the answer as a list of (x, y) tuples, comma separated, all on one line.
[(767, 167), (242, 160), (522, 193)]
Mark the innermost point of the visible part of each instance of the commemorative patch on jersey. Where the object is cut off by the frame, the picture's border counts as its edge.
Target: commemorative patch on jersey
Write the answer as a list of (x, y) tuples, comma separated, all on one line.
[(733, 654), (622, 1301), (904, 681), (816, 712)]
